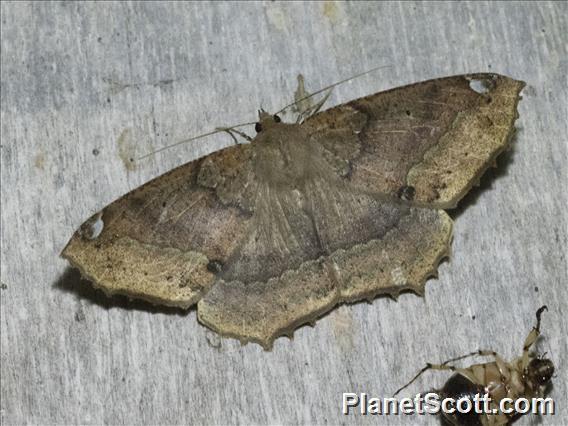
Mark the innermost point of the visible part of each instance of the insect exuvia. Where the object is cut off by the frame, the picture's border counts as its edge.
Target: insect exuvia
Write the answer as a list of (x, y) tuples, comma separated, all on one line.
[(528, 376)]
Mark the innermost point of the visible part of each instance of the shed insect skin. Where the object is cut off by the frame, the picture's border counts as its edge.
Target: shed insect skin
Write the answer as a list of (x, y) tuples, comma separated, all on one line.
[(527, 376)]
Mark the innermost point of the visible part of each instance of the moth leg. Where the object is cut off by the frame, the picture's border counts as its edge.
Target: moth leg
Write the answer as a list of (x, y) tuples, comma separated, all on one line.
[(231, 133), (302, 99), (315, 109), (532, 336), (312, 110), (301, 115), (242, 135)]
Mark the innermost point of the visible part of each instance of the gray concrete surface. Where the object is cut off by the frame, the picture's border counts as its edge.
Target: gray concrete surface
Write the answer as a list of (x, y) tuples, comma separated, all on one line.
[(86, 86)]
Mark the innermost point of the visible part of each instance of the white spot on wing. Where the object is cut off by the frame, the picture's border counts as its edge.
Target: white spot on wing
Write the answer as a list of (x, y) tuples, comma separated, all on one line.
[(481, 85), (93, 227)]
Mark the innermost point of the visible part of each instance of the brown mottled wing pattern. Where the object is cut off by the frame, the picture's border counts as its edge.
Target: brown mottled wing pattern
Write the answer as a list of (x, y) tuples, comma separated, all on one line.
[(270, 235), (163, 241), (438, 136)]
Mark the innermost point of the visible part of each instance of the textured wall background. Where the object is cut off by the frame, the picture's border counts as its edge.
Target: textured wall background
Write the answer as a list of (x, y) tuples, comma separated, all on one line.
[(86, 86)]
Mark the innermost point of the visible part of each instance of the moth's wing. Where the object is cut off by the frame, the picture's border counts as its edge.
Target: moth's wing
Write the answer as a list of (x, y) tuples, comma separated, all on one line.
[(163, 241), (355, 246), (432, 139), (401, 259)]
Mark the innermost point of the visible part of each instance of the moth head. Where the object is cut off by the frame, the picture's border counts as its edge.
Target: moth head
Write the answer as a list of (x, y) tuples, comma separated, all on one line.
[(265, 120)]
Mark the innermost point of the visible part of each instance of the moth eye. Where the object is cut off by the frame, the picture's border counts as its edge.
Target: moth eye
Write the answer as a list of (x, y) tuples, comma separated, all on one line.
[(277, 119), (258, 127)]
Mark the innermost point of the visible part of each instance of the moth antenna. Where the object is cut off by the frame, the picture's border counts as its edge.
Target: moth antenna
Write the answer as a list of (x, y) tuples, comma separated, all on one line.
[(225, 129), (332, 86), (218, 130)]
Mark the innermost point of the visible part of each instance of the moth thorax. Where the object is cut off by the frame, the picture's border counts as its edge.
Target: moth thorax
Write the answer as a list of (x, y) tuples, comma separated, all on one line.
[(282, 156)]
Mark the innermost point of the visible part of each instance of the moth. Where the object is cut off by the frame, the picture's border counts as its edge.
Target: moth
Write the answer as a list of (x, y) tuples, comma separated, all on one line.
[(346, 205), (528, 376)]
